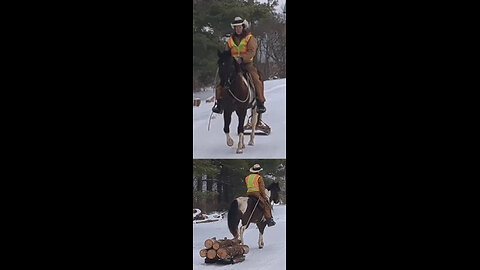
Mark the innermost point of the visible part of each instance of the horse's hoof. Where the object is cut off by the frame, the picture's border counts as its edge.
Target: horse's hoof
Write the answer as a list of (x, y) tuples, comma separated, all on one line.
[(239, 151), (260, 247), (250, 143), (229, 142)]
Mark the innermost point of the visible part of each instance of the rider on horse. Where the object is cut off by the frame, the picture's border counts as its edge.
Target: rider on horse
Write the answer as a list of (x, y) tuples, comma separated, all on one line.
[(256, 188), (243, 47)]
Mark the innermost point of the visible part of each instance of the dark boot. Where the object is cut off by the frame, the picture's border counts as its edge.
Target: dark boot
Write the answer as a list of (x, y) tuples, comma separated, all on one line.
[(270, 222), (218, 107), (260, 107)]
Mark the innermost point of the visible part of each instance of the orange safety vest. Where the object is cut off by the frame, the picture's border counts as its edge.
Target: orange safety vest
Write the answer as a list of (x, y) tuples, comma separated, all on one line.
[(241, 49), (252, 182)]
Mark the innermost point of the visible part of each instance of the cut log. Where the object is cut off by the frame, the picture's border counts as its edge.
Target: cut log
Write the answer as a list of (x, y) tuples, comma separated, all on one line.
[(203, 253), (232, 251), (225, 243), (211, 253), (209, 242)]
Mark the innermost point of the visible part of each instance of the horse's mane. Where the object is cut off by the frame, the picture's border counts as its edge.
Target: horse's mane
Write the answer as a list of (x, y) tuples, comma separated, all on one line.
[(273, 185)]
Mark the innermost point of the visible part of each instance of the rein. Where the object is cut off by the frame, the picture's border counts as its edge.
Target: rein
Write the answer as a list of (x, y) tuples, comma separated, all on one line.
[(214, 84), (242, 101)]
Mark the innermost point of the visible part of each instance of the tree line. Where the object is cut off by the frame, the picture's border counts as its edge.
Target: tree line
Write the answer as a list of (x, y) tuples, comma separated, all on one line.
[(211, 29), (216, 182)]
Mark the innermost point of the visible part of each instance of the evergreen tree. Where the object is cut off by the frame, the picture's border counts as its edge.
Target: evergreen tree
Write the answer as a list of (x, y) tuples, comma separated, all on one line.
[(211, 24)]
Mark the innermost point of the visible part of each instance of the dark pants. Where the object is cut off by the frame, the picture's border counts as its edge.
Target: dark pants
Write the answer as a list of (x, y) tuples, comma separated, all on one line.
[(265, 204)]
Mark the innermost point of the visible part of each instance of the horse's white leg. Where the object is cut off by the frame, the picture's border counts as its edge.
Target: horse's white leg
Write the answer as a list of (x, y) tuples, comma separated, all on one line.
[(254, 125), (260, 239), (241, 143), (229, 139), (242, 229)]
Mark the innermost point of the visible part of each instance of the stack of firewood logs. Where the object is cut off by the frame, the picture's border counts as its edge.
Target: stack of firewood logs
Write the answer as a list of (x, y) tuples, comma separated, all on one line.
[(223, 250)]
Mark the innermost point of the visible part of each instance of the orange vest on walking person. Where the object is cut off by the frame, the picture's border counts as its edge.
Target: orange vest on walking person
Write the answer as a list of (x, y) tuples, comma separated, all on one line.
[(252, 182)]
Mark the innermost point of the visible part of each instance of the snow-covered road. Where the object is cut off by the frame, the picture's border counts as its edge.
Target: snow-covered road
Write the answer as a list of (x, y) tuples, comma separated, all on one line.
[(212, 143), (271, 257)]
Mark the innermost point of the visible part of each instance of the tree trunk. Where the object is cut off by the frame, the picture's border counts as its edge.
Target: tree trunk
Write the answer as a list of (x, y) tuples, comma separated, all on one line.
[(232, 251)]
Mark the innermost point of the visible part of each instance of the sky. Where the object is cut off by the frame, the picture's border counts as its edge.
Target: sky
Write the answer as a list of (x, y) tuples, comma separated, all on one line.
[(211, 143), (271, 257)]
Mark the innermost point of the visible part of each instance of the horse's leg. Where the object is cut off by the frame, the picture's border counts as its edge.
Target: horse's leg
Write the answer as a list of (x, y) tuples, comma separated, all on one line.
[(241, 144), (261, 229), (242, 229), (227, 119), (254, 125), (240, 129)]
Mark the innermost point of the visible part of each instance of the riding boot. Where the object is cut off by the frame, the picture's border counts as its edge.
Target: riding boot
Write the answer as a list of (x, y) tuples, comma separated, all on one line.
[(270, 222), (260, 107), (218, 107)]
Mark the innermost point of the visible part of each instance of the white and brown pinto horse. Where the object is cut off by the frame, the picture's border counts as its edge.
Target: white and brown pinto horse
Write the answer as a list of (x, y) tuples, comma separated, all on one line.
[(241, 209)]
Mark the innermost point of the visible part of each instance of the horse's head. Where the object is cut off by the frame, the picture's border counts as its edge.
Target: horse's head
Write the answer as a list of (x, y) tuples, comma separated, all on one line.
[(274, 189), (227, 67)]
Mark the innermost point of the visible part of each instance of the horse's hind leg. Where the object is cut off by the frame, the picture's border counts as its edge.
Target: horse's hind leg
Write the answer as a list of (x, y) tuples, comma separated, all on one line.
[(242, 230), (240, 129), (261, 229), (227, 119), (254, 125)]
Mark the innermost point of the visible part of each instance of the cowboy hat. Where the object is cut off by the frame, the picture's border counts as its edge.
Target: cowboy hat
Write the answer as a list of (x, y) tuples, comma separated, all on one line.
[(256, 168), (239, 21)]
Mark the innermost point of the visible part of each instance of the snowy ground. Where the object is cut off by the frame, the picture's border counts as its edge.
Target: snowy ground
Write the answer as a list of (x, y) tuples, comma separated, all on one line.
[(271, 257), (212, 143)]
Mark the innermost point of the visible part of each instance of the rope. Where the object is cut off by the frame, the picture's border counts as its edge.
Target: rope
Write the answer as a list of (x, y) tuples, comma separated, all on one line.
[(248, 222), (214, 85), (210, 118)]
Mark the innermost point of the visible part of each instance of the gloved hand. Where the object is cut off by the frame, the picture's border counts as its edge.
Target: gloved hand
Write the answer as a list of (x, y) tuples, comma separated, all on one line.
[(239, 60)]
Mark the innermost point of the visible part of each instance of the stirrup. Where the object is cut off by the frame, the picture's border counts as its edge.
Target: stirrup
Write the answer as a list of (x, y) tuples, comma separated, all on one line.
[(216, 109), (270, 222), (260, 107)]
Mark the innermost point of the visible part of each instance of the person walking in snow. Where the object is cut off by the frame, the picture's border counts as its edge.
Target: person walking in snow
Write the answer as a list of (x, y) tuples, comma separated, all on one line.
[(243, 47), (256, 188)]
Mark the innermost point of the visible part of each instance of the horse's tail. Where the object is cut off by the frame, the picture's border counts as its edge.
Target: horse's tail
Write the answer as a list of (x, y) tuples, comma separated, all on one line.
[(233, 218)]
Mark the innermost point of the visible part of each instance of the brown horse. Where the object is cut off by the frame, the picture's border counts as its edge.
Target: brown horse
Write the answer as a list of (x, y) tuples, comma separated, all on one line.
[(237, 97), (241, 209)]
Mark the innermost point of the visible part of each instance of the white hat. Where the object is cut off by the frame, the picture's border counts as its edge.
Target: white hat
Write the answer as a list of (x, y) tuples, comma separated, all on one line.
[(239, 21), (256, 168)]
